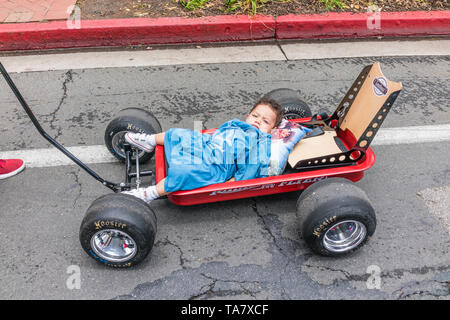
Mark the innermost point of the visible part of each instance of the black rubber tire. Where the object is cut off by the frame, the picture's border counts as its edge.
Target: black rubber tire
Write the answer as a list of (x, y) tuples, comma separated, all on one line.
[(327, 202), (130, 119), (124, 213), (293, 106)]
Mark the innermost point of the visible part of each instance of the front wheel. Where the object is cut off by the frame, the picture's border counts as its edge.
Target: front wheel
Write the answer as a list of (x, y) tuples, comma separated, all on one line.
[(134, 120), (118, 230), (335, 217)]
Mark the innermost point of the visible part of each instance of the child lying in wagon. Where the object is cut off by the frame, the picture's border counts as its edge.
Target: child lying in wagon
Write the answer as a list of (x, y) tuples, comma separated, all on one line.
[(237, 150)]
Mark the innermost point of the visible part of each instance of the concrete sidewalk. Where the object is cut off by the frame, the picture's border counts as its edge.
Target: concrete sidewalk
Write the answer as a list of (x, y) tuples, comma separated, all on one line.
[(14, 11)]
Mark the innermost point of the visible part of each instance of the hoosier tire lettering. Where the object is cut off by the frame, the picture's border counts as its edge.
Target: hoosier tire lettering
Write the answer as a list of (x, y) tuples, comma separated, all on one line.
[(100, 224), (134, 128), (318, 231)]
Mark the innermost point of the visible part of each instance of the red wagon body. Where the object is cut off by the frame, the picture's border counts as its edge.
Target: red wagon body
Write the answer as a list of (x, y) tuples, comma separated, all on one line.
[(264, 186)]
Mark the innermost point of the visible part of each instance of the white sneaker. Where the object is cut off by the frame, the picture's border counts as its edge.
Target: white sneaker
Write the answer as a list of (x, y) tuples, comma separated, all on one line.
[(147, 194), (140, 193), (142, 141)]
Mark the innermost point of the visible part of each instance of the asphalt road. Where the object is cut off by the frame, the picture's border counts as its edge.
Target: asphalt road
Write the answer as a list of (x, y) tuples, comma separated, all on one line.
[(243, 249)]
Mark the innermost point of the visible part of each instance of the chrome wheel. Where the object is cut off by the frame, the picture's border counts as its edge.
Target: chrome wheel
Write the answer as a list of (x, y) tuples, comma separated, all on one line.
[(113, 245), (344, 236), (117, 143)]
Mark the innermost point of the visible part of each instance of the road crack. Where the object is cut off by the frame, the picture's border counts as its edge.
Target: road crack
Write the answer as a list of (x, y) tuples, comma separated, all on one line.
[(209, 290), (68, 77), (392, 274), (78, 183), (443, 290), (181, 257), (268, 230)]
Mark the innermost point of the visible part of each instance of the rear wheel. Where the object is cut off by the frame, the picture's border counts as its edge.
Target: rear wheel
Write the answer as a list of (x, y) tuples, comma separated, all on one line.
[(118, 230), (134, 120), (335, 217), (293, 106)]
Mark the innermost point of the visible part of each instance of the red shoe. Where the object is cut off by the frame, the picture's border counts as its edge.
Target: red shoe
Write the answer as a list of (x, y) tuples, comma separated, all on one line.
[(10, 167)]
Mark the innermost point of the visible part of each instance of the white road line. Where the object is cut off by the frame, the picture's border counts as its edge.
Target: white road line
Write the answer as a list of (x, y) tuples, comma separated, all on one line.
[(227, 54), (52, 157), (416, 134), (99, 154)]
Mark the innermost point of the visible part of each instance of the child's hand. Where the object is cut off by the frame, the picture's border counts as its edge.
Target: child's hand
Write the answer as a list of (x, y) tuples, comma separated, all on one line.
[(231, 180)]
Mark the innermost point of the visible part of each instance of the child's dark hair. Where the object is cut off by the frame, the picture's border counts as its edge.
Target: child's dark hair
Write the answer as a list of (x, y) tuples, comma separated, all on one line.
[(275, 106)]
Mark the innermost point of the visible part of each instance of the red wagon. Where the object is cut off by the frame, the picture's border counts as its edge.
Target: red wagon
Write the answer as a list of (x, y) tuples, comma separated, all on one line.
[(335, 216)]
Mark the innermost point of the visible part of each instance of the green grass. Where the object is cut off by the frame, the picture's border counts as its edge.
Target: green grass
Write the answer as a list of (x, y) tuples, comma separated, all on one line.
[(193, 4), (251, 5), (332, 4)]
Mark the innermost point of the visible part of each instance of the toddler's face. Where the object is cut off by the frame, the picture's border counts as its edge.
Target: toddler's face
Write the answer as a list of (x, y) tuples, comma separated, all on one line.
[(262, 118)]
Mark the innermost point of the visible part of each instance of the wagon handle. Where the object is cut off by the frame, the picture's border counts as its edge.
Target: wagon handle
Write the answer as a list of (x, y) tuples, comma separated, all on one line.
[(30, 114)]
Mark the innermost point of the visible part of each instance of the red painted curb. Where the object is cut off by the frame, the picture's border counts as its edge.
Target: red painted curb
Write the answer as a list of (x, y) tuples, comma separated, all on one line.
[(145, 31), (353, 25), (138, 31)]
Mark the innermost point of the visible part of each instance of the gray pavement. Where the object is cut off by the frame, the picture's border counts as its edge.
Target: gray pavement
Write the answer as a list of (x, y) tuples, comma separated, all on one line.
[(243, 249)]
